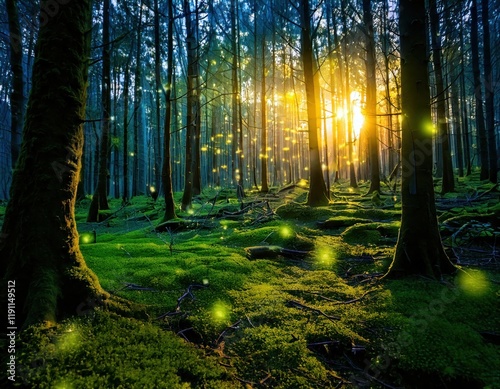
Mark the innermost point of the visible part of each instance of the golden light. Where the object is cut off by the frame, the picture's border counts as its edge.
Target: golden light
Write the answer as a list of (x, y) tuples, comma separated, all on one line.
[(325, 256), (69, 340), (286, 232), (473, 282), (357, 117), (220, 311)]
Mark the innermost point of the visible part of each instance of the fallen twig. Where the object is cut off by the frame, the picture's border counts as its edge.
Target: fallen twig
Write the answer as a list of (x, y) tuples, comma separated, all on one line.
[(296, 304), (187, 293), (336, 302), (131, 286), (233, 326)]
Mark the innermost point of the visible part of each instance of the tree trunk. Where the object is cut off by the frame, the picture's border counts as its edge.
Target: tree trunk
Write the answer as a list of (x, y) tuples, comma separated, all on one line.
[(50, 274), (463, 103), (136, 168), (480, 126), (263, 112), (371, 100), (167, 167), (100, 198), (317, 188), (159, 87), (489, 90), (443, 138), (126, 89), (17, 92), (192, 110), (419, 249)]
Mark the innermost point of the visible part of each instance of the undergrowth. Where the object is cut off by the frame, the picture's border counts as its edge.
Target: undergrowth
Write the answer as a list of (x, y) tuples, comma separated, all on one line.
[(319, 318)]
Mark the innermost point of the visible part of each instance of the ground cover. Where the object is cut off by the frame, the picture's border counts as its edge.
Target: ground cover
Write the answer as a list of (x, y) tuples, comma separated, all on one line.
[(313, 311)]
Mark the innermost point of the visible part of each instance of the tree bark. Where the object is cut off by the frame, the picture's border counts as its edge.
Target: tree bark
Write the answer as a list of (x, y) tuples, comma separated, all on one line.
[(489, 90), (443, 138), (126, 89), (159, 87), (40, 249), (419, 249), (17, 89), (317, 188), (167, 164), (100, 198), (371, 100), (191, 187), (480, 126), (138, 151), (263, 112)]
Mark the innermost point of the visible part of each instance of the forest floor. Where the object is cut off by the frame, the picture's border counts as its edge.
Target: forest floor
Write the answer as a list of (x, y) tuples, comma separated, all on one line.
[(275, 294)]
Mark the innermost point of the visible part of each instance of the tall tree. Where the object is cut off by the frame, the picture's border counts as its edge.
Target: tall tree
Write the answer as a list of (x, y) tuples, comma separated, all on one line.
[(126, 95), (489, 90), (443, 138), (100, 198), (263, 114), (192, 109), (317, 188), (166, 173), (51, 276), (480, 126), (419, 249), (159, 87), (137, 168), (17, 88), (371, 99)]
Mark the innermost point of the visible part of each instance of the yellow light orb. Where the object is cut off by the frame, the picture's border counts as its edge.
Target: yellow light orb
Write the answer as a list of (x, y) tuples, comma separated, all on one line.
[(286, 232), (473, 282), (220, 311)]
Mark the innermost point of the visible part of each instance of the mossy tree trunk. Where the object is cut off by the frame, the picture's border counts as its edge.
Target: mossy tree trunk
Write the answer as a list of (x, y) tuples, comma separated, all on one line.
[(419, 249), (317, 188), (40, 249)]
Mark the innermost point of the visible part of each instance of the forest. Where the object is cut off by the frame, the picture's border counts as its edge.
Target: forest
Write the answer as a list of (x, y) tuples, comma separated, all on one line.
[(250, 194)]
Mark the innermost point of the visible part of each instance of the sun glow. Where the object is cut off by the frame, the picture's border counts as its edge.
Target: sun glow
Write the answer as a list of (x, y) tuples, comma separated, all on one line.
[(357, 117)]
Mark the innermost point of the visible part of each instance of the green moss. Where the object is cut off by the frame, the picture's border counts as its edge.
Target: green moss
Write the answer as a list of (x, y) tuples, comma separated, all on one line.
[(303, 212), (108, 351), (279, 234), (371, 233)]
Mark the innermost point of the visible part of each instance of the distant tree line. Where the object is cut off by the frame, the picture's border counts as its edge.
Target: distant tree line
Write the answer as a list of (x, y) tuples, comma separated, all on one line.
[(261, 93)]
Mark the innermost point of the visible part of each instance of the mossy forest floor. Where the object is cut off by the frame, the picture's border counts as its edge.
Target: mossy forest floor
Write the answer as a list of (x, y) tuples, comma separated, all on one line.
[(315, 315)]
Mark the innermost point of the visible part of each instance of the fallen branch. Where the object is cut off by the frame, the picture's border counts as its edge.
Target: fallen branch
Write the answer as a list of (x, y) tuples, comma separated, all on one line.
[(336, 302), (233, 326), (267, 252), (131, 286), (186, 294), (296, 304), (324, 343), (181, 332)]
